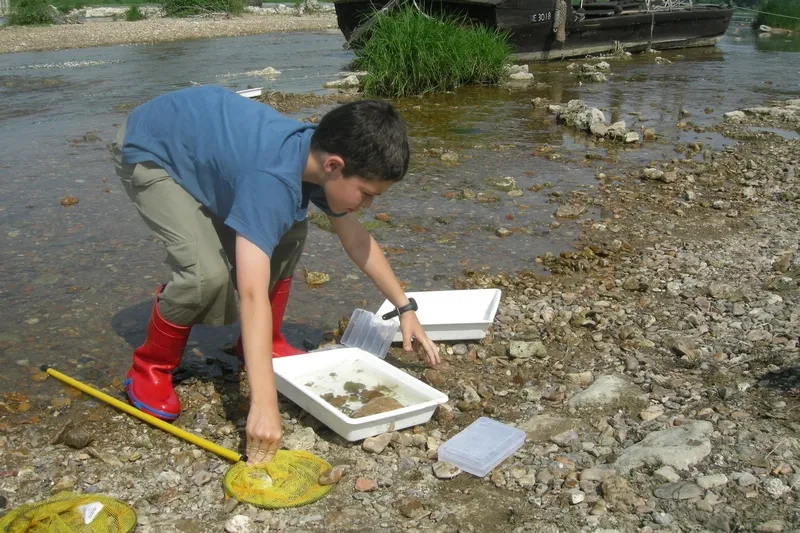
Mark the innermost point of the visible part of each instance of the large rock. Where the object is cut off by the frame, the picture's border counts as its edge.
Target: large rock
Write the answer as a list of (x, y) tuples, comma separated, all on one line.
[(679, 447), (608, 392)]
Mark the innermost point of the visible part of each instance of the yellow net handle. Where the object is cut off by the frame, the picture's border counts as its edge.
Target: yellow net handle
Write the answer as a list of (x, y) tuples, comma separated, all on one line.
[(141, 415)]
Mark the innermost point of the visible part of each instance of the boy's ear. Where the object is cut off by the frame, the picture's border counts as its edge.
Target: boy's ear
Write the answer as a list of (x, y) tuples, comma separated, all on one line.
[(332, 163)]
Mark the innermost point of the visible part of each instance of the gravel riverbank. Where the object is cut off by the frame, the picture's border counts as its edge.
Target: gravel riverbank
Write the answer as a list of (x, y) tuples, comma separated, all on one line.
[(656, 373), (155, 30)]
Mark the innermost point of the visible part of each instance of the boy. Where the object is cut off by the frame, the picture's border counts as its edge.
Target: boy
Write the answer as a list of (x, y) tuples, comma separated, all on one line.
[(225, 182)]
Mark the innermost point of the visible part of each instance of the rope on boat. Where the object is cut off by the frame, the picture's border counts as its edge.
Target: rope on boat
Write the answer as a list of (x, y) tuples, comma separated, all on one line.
[(767, 13), (560, 23)]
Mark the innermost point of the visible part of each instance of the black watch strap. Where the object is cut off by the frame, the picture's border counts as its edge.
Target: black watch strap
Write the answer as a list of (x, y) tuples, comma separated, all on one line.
[(410, 306)]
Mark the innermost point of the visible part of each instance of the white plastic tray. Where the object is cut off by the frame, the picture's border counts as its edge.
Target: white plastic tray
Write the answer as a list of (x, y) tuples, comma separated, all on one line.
[(452, 315), (305, 378)]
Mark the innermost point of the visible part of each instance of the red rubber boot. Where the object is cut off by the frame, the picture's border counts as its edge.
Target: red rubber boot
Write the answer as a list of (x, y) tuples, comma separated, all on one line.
[(149, 381), (278, 299)]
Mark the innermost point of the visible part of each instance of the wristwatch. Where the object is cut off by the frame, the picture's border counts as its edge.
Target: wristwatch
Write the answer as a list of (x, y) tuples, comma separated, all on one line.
[(410, 306)]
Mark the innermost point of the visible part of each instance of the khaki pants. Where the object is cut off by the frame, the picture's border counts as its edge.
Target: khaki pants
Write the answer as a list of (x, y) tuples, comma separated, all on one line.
[(200, 248)]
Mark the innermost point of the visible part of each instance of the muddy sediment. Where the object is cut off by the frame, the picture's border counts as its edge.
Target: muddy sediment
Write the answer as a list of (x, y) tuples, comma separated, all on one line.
[(655, 370)]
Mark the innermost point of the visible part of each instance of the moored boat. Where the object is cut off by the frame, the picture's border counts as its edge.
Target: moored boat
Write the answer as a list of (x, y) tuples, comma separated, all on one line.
[(554, 29)]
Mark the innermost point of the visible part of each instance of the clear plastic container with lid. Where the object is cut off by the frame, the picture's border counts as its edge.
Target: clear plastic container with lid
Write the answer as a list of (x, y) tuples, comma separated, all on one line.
[(481, 446), (369, 332)]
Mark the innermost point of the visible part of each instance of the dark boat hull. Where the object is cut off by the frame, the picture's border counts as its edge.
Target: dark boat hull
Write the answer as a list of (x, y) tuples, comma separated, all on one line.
[(533, 31)]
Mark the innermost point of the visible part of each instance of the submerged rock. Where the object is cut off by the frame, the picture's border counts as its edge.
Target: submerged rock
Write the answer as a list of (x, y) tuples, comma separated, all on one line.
[(376, 406)]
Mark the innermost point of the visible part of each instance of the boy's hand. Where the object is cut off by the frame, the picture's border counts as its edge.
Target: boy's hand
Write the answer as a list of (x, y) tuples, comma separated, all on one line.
[(414, 336), (264, 433)]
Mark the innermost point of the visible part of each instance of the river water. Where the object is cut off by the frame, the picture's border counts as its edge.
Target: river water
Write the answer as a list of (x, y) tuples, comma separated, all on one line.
[(77, 281)]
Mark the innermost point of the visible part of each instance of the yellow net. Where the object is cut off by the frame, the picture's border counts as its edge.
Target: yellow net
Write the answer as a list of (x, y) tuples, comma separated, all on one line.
[(289, 480), (68, 512)]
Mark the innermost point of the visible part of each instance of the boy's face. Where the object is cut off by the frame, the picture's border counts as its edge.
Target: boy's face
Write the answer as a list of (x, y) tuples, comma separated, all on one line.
[(353, 193)]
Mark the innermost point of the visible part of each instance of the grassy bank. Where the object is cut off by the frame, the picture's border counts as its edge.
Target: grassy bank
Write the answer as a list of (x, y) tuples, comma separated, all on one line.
[(789, 8), (445, 55)]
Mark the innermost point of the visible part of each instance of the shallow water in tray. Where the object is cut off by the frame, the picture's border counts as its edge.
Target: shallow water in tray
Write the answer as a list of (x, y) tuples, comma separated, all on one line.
[(340, 380)]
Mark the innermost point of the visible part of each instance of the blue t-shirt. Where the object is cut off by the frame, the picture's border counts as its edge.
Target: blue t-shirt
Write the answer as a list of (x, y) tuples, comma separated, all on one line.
[(239, 158)]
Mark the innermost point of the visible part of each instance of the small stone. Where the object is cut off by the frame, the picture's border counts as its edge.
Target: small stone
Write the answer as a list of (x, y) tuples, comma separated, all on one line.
[(684, 347), (597, 474), (202, 477), (684, 490), (65, 483), (503, 232), (460, 349), (652, 174), (570, 211), (377, 444), (526, 350), (631, 137), (334, 475), (364, 484), (711, 481), (771, 526), (411, 508), (240, 524), (445, 470), (667, 473), (651, 413), (576, 497), (565, 438), (301, 439), (746, 479), (662, 519), (774, 487), (470, 395), (449, 157)]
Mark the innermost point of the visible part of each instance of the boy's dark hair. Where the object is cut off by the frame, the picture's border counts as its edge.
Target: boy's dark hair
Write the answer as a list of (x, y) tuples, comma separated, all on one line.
[(369, 135)]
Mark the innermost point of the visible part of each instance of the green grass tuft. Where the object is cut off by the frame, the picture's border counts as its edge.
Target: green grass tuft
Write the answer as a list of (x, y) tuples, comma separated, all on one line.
[(188, 8), (408, 53), (31, 12), (790, 8), (134, 14)]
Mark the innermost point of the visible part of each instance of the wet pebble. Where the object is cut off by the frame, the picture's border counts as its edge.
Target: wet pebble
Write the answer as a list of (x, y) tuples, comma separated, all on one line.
[(503, 232)]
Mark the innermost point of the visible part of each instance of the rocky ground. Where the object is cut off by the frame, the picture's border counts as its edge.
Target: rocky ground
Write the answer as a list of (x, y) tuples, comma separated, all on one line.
[(655, 373), (155, 30)]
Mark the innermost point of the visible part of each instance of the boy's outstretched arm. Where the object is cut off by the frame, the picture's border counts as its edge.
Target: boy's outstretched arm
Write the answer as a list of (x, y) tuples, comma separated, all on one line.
[(263, 430), (368, 256)]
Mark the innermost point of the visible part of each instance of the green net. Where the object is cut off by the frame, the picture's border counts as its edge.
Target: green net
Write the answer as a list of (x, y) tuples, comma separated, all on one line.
[(291, 479), (68, 512)]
